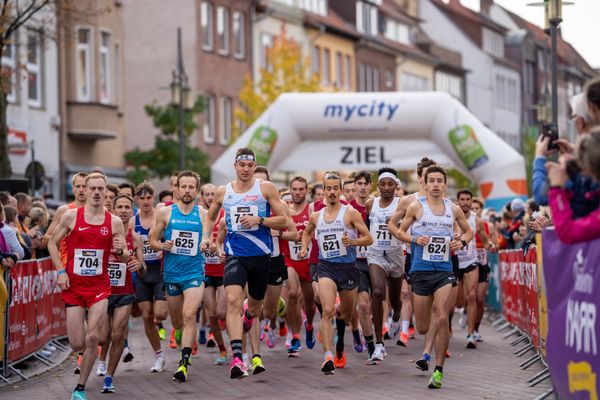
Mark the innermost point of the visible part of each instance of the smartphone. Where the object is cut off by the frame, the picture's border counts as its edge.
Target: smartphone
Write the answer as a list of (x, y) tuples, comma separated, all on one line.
[(550, 130)]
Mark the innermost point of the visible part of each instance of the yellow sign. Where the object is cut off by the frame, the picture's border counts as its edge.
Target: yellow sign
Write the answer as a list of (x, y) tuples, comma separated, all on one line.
[(581, 378), (542, 300)]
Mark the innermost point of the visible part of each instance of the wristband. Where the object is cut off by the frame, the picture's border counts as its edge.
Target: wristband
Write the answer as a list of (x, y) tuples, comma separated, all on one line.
[(62, 272), (261, 220)]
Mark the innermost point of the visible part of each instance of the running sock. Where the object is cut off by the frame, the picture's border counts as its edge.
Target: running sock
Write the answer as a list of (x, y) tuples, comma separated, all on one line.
[(405, 326), (328, 354), (236, 348), (296, 336), (426, 357), (320, 308), (126, 343), (438, 368), (356, 335), (309, 326), (370, 344), (186, 353), (256, 355), (160, 325), (476, 326), (247, 313), (341, 330), (222, 347), (158, 353), (79, 388)]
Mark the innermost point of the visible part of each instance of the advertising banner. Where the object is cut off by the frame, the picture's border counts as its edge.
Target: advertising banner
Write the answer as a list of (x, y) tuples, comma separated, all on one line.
[(22, 327), (572, 276)]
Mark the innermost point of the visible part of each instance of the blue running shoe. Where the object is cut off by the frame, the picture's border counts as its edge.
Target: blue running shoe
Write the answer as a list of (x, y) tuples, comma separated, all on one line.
[(108, 386), (295, 346), (202, 336), (78, 395), (309, 337)]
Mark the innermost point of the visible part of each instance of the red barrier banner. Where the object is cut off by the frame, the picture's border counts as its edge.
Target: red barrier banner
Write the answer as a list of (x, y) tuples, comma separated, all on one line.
[(45, 316), (531, 284), (22, 309)]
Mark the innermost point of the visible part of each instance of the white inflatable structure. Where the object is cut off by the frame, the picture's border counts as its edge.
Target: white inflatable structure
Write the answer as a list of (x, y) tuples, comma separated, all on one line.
[(367, 131)]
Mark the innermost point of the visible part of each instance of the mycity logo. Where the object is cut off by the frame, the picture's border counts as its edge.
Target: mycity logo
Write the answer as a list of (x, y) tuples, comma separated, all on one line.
[(364, 110)]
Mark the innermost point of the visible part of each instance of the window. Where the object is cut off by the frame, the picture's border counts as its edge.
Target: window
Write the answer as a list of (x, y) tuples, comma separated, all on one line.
[(209, 119), (530, 83), (104, 67), (223, 29), (413, 82), (452, 84), (266, 42), (84, 78), (507, 93), (326, 66), (493, 43), (397, 31), (362, 84), (389, 79), (9, 64), (34, 70), (339, 70), (226, 118), (239, 37), (541, 59), (316, 60), (368, 78), (375, 83), (366, 18), (206, 24), (314, 6), (348, 72), (117, 74)]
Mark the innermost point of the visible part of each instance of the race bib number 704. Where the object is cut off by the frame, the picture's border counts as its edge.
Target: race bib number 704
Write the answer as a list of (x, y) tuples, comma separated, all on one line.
[(88, 262)]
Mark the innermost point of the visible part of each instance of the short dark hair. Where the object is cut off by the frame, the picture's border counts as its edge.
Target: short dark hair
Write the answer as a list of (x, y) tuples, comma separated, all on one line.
[(478, 201), (299, 179), (144, 187), (163, 194), (464, 191), (244, 151), (190, 174), (112, 188), (129, 185), (4, 197), (313, 190), (592, 92), (362, 174), (122, 196), (347, 182), (263, 170), (424, 163), (436, 168), (22, 197), (10, 213), (387, 169)]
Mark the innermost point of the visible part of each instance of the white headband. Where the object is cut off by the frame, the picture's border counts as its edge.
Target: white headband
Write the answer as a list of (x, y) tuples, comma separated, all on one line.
[(245, 157), (389, 175)]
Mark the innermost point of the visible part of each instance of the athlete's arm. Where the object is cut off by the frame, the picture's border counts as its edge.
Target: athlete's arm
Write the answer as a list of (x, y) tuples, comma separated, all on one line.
[(64, 226), (291, 234), (398, 215), (136, 262), (280, 209), (211, 218), (119, 246), (487, 243), (157, 230), (409, 218), (369, 206), (356, 221), (463, 224), (60, 211), (308, 234)]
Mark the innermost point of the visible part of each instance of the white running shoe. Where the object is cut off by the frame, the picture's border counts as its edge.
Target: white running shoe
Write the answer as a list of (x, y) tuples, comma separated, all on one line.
[(477, 336), (101, 370), (246, 361), (378, 354), (159, 365), (395, 328), (471, 344)]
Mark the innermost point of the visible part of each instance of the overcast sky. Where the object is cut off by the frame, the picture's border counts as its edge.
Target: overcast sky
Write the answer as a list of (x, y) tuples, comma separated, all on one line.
[(579, 26)]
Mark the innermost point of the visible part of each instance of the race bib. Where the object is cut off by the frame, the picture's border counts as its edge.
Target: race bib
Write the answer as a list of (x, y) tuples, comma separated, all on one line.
[(482, 256), (88, 262), (330, 245), (149, 253), (116, 273), (237, 212), (295, 248), (361, 251), (212, 258), (437, 250), (185, 243), (276, 250), (382, 237)]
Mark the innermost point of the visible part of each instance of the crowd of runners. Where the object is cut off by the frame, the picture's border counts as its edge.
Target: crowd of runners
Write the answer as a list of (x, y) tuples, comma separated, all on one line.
[(248, 262)]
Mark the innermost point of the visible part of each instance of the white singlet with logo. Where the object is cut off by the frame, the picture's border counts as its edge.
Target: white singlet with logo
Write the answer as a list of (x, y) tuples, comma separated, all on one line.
[(379, 218), (439, 229), (468, 255), (330, 236)]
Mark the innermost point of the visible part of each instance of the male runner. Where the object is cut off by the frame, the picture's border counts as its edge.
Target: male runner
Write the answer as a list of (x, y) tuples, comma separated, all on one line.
[(122, 293), (182, 224), (247, 202), (386, 259), (468, 273), (432, 238), (361, 191), (339, 229), (84, 279), (111, 192), (406, 291), (299, 279), (149, 289), (316, 192), (349, 191), (207, 195), (484, 268)]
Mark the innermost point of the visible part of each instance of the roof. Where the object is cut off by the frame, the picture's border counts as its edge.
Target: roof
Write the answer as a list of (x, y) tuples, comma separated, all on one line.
[(334, 22), (459, 13)]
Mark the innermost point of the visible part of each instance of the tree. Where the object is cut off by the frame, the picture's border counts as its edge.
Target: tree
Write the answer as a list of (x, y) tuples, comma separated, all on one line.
[(287, 71), (462, 182), (163, 158)]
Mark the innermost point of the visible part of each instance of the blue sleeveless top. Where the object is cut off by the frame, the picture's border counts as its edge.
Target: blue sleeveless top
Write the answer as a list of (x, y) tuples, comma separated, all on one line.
[(185, 261)]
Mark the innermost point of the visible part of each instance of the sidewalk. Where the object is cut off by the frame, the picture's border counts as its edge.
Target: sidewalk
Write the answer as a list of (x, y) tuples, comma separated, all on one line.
[(490, 372)]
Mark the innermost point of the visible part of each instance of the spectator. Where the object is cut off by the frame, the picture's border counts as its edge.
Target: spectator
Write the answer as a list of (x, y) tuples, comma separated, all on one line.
[(569, 229), (592, 92), (515, 211), (23, 208), (4, 197), (9, 234), (38, 224)]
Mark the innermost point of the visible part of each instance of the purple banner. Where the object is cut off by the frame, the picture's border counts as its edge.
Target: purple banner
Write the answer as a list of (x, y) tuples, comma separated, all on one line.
[(572, 275)]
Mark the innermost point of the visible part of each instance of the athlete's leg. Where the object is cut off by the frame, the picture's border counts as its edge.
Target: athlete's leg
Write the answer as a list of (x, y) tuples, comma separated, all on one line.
[(235, 301), (378, 289), (470, 291), (293, 314), (175, 305), (482, 289), (76, 327), (97, 317), (271, 301), (192, 300), (407, 309), (327, 293), (441, 303), (364, 313), (149, 326), (118, 331), (308, 296), (422, 308)]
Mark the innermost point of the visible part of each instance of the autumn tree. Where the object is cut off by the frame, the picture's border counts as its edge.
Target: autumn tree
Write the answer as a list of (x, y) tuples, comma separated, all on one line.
[(287, 71)]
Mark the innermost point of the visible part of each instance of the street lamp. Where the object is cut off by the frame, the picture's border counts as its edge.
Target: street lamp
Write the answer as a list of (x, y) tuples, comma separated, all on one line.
[(180, 92)]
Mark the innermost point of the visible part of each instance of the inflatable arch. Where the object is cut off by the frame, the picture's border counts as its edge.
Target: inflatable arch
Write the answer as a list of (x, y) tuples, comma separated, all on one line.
[(354, 131)]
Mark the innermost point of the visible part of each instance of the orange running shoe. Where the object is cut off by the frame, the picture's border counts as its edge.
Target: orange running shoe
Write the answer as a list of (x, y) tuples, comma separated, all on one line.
[(448, 354), (283, 330), (195, 348), (386, 333), (403, 340), (340, 360), (172, 342), (411, 332)]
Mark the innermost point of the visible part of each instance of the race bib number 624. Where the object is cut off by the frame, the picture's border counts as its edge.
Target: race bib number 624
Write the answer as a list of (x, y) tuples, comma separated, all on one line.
[(437, 250)]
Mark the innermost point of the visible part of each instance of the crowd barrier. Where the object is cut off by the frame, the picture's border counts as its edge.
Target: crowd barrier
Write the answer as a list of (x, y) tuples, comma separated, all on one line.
[(547, 299), (34, 313)]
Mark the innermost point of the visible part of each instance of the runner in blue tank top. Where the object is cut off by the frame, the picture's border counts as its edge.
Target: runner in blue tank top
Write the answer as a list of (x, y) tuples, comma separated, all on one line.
[(340, 230), (432, 219), (182, 224), (247, 202)]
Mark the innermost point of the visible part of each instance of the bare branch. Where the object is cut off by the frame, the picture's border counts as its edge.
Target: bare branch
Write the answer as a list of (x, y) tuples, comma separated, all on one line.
[(24, 16)]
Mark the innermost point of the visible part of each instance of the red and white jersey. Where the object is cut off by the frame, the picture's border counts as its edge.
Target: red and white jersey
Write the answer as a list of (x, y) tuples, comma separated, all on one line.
[(213, 266), (290, 249), (121, 281)]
